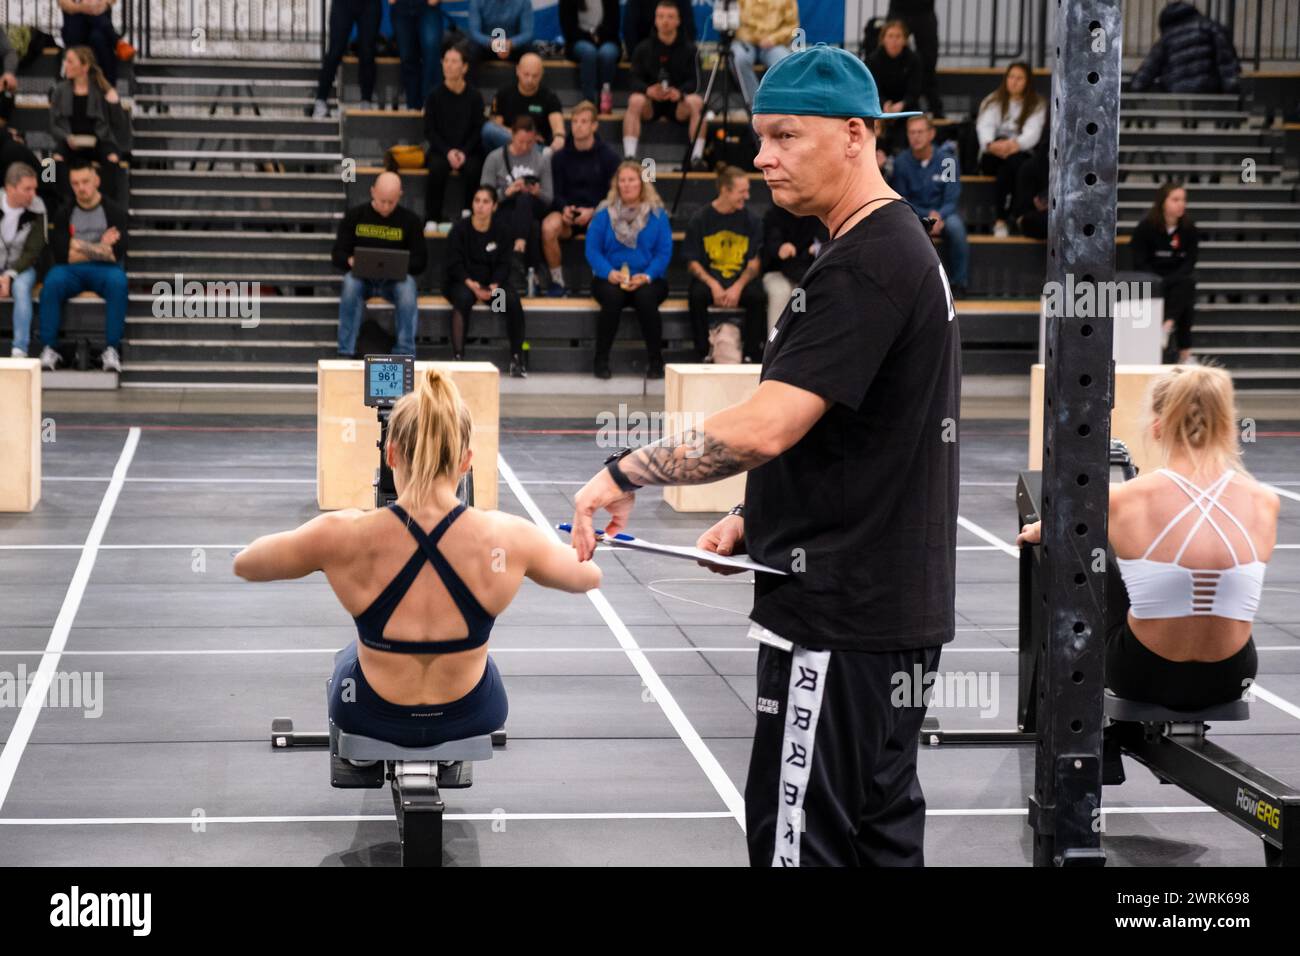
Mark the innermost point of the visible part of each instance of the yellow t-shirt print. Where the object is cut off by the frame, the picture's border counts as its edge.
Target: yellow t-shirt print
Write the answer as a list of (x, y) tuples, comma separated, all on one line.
[(727, 252)]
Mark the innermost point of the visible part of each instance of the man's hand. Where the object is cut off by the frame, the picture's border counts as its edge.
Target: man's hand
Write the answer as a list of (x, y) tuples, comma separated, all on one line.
[(8, 81), (715, 287), (727, 537), (731, 296), (674, 94), (938, 223), (583, 215), (110, 236), (1030, 534), (455, 158), (521, 245), (515, 186), (787, 251), (534, 188), (656, 91), (597, 494), (4, 287), (502, 49), (350, 262)]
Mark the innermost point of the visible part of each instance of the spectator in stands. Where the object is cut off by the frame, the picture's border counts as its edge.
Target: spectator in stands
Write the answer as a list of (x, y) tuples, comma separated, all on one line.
[(664, 78), (81, 118), (1193, 54), (629, 246), (453, 123), (929, 178), (8, 64), (23, 227), (767, 28), (365, 15), (898, 73), (1009, 125), (520, 172), (500, 29), (382, 223), (1030, 203), (790, 244), (591, 40), (478, 273), (578, 170), (418, 27), (1165, 242), (88, 243), (724, 241), (923, 24), (89, 23), (639, 22), (527, 96)]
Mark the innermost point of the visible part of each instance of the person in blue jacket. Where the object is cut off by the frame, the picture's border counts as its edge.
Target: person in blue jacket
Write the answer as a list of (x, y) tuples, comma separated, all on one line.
[(629, 245), (929, 178), (514, 20)]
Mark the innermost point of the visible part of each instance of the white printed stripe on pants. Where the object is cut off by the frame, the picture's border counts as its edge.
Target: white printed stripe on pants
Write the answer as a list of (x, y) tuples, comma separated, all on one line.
[(803, 704)]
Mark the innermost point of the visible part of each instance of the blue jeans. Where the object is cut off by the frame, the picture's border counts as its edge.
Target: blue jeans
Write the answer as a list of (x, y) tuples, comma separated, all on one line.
[(418, 29), (596, 66), (352, 309), (495, 136), (21, 290), (62, 282), (954, 241), (745, 55)]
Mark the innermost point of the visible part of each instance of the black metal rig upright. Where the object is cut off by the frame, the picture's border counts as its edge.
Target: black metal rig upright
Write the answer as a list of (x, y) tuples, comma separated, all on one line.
[(1065, 807)]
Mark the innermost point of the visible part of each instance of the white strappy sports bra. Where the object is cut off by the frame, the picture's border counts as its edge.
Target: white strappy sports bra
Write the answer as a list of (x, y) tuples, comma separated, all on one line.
[(1160, 589)]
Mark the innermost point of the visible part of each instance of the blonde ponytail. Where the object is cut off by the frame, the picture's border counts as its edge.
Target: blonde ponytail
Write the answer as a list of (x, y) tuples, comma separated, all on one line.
[(430, 428), (1196, 407)]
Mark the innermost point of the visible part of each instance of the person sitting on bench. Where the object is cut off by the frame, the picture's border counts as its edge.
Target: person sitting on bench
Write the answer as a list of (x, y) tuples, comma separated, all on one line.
[(88, 243), (419, 674), (1191, 540)]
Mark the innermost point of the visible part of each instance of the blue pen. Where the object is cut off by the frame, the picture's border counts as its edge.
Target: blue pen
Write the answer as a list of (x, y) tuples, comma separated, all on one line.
[(567, 528)]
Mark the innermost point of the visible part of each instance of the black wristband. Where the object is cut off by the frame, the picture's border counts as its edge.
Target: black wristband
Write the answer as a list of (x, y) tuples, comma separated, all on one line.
[(625, 484)]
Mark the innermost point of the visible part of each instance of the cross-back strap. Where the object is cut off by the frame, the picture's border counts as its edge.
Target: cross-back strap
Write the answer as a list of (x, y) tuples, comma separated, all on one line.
[(469, 606)]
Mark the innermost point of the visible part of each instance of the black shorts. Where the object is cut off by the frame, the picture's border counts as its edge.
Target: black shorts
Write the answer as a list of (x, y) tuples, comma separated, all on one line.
[(663, 109), (1136, 672)]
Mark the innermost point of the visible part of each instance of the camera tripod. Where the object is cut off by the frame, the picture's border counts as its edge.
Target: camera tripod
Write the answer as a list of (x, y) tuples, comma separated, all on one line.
[(724, 63)]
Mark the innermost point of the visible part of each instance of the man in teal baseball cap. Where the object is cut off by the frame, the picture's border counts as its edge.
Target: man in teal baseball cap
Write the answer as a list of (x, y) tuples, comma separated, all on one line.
[(849, 449)]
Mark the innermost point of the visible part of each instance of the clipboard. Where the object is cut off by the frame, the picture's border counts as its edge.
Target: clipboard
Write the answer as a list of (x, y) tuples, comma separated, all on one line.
[(685, 552)]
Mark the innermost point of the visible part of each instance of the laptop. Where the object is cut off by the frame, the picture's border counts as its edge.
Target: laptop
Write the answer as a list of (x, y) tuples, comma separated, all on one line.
[(369, 263)]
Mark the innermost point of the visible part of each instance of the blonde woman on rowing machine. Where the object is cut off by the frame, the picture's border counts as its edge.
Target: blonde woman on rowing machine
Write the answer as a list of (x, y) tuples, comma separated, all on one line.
[(1192, 540), (419, 673)]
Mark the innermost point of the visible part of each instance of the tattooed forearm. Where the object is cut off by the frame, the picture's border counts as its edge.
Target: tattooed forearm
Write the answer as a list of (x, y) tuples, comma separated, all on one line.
[(693, 457)]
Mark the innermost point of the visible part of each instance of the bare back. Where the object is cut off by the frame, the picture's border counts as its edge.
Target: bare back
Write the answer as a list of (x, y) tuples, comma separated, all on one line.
[(373, 548), (1142, 508)]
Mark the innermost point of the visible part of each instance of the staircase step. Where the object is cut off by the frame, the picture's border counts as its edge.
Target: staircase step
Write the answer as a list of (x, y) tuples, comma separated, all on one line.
[(222, 181), (187, 215), (256, 157), (274, 128), (250, 242)]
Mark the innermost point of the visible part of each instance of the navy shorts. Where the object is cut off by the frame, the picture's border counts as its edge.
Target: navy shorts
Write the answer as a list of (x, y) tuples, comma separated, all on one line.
[(479, 712)]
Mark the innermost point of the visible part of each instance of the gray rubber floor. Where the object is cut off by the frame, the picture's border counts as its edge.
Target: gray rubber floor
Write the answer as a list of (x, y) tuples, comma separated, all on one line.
[(614, 757)]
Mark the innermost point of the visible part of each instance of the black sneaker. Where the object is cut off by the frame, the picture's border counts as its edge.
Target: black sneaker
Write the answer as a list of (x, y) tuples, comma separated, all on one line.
[(602, 369), (517, 369), (655, 370)]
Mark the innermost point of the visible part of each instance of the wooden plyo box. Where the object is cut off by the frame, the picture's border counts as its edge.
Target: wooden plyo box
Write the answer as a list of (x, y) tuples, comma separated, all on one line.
[(691, 394), (347, 431), (1131, 384), (20, 434)]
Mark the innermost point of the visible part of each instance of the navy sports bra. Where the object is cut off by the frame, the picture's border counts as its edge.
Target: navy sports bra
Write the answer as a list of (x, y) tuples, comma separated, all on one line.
[(372, 621)]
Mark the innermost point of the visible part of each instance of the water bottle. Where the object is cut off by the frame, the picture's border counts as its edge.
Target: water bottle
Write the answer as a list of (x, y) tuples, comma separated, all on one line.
[(606, 99), (532, 282)]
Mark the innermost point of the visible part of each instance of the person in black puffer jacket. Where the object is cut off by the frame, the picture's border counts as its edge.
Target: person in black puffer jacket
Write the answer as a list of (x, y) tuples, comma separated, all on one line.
[(1193, 55)]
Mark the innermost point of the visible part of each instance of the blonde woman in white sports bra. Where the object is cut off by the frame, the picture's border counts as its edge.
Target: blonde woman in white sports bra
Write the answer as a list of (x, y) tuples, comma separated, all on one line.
[(1192, 540)]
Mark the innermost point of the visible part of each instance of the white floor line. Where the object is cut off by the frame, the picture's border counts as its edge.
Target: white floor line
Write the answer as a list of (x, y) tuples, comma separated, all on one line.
[(1282, 491), (192, 481), (21, 731), (492, 817), (731, 797), (186, 547), (988, 536)]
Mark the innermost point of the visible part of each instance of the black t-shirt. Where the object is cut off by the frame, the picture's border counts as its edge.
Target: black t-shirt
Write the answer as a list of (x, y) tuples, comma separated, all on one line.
[(723, 244), (863, 509), (509, 103)]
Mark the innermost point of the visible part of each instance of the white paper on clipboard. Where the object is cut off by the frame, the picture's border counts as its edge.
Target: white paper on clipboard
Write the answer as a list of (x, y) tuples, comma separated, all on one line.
[(688, 553)]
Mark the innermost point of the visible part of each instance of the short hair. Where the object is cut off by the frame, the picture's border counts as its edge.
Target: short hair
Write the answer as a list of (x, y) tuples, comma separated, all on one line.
[(727, 176), (461, 47), (17, 172), (925, 117), (523, 124), (586, 106), (82, 162), (671, 4)]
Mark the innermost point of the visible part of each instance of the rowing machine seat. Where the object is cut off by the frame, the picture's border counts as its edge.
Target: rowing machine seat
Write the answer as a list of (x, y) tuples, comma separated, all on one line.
[(1136, 711)]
